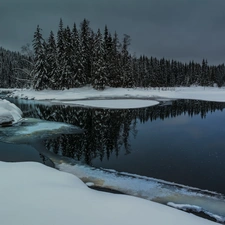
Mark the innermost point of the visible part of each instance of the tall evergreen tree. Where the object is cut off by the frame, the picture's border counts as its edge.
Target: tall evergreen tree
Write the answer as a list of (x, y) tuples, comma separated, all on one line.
[(85, 32), (78, 68), (60, 55), (204, 73), (126, 63), (52, 61), (115, 79), (67, 67), (99, 68), (41, 79)]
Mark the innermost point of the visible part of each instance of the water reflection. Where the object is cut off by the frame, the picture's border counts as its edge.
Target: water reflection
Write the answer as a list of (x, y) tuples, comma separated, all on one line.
[(181, 142), (22, 153), (108, 130)]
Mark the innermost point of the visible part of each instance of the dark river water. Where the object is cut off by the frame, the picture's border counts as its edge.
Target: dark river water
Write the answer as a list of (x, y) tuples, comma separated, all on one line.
[(182, 141)]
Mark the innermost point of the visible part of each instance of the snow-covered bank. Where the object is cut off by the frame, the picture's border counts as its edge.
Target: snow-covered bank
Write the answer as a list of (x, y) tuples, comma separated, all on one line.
[(194, 208), (9, 113), (198, 93), (32, 193), (7, 90), (148, 188)]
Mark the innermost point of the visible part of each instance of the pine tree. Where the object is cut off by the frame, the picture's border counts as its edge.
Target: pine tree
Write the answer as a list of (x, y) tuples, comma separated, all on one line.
[(174, 73), (85, 50), (115, 79), (41, 79), (126, 63), (67, 68), (78, 69), (60, 56), (108, 55), (162, 73), (99, 68), (204, 73), (52, 61), (220, 75)]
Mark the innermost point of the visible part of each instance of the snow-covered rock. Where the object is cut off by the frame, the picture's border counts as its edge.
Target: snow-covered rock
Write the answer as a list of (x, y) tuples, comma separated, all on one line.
[(9, 113)]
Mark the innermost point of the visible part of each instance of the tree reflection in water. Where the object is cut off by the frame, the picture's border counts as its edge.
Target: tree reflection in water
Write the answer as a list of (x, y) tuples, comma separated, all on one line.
[(108, 130)]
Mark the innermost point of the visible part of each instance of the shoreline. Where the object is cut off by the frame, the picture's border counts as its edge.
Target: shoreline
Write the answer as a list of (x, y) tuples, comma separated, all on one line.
[(193, 93)]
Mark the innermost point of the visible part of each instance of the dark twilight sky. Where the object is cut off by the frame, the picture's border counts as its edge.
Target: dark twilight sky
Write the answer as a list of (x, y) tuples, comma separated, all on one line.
[(174, 29)]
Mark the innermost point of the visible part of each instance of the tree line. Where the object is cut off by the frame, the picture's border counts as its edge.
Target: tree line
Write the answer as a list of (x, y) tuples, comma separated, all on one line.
[(78, 56)]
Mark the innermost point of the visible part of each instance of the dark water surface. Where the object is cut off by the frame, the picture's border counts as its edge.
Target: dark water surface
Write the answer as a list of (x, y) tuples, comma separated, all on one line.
[(21, 153), (182, 141)]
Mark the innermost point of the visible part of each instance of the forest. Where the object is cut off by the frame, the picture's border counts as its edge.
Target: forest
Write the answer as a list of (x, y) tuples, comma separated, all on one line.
[(78, 56)]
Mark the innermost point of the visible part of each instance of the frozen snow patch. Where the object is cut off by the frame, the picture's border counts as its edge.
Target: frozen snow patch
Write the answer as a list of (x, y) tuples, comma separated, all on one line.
[(114, 103), (32, 128)]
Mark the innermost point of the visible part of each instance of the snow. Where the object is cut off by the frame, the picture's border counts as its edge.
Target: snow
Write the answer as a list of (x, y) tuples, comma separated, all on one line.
[(9, 113), (145, 187), (194, 208), (114, 103), (198, 93), (32, 193), (31, 129)]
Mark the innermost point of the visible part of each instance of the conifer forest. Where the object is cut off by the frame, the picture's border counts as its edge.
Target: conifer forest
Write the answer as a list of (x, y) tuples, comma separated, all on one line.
[(77, 56)]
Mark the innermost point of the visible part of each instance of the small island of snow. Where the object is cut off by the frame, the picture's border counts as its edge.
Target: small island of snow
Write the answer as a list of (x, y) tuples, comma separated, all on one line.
[(115, 103)]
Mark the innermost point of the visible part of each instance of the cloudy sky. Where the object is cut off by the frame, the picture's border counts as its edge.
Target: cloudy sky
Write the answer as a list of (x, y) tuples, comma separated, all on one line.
[(174, 29)]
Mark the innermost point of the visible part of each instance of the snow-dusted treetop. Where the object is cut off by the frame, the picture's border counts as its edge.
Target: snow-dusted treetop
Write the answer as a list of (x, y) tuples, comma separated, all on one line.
[(9, 113)]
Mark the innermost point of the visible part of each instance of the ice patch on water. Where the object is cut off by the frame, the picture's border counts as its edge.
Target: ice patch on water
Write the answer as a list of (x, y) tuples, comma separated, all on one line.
[(31, 128), (148, 188)]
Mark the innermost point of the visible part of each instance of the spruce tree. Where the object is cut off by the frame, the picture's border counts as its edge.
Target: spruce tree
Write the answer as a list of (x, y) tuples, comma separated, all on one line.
[(41, 79), (115, 79), (99, 68), (78, 68), (52, 61), (127, 80), (85, 32), (60, 56), (67, 68)]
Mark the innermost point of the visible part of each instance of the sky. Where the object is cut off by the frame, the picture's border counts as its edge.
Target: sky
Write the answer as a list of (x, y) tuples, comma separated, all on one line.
[(175, 29)]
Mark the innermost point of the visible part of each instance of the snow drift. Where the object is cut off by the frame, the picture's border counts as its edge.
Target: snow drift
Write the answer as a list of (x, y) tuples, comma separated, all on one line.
[(32, 193)]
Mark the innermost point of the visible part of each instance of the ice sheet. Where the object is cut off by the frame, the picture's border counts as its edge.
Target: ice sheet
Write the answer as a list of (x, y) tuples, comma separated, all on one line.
[(115, 103), (31, 128)]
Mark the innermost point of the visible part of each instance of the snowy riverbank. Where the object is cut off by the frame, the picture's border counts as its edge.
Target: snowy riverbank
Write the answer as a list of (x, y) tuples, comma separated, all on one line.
[(31, 192), (198, 93)]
